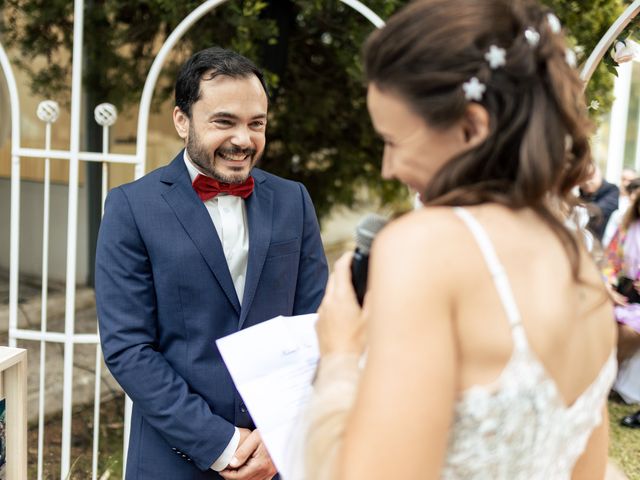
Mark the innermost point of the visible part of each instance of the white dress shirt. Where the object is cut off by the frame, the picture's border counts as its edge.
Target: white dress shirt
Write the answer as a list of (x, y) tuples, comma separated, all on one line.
[(229, 216)]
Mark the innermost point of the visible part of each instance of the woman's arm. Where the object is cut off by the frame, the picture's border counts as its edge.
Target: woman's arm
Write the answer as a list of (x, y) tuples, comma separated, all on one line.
[(335, 389), (341, 340), (398, 426)]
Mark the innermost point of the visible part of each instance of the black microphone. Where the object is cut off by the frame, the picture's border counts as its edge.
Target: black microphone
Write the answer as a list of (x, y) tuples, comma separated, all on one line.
[(367, 229)]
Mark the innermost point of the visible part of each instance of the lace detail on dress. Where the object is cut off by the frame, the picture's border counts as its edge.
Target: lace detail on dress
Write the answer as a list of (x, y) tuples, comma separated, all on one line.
[(519, 427)]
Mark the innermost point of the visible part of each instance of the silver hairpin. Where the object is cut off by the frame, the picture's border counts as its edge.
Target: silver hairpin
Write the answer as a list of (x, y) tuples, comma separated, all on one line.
[(568, 143), (473, 89), (496, 56), (554, 23), (570, 58), (532, 37)]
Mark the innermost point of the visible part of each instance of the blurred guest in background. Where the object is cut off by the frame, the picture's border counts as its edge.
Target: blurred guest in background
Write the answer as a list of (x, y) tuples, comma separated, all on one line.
[(623, 273), (601, 199), (628, 174)]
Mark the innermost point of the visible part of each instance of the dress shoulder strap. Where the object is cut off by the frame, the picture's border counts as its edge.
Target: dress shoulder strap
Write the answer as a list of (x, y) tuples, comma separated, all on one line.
[(498, 273)]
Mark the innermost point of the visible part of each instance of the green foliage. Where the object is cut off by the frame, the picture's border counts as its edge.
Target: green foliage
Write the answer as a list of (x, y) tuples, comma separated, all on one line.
[(586, 22), (624, 449), (319, 132), (122, 38)]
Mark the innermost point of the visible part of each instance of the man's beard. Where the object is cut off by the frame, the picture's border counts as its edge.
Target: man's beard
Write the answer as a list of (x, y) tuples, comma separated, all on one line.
[(205, 159)]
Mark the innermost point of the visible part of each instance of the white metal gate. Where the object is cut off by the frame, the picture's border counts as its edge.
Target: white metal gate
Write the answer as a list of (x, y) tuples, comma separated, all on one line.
[(105, 115)]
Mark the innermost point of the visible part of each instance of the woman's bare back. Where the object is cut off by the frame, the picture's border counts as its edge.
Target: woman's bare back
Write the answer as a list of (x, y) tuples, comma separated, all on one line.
[(569, 324)]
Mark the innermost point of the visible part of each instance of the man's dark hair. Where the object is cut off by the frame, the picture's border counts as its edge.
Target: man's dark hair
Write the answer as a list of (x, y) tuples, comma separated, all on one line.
[(206, 65)]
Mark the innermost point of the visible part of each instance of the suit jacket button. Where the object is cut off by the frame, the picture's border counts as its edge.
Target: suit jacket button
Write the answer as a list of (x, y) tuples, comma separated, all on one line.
[(243, 408)]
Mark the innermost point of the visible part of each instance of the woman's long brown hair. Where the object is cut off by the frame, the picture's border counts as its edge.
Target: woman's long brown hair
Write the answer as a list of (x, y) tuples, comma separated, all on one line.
[(537, 149)]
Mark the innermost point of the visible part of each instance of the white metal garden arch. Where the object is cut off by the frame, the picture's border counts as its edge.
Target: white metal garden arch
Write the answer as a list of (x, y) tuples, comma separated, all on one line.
[(622, 88), (105, 115)]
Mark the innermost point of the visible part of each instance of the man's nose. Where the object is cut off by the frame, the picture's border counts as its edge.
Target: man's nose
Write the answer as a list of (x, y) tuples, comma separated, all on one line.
[(241, 137)]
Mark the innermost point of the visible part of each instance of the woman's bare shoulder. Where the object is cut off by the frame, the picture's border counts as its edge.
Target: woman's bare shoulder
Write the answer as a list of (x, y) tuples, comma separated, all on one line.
[(423, 241), (429, 226)]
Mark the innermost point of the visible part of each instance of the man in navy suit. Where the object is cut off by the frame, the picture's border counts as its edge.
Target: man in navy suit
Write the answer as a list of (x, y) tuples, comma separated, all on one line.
[(192, 252)]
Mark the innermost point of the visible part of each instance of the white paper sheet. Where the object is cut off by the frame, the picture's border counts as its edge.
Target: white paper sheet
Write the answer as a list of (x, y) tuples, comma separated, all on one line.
[(272, 365)]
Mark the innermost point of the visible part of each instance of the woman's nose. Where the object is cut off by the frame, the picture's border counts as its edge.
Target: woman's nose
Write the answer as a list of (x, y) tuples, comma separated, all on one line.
[(387, 166)]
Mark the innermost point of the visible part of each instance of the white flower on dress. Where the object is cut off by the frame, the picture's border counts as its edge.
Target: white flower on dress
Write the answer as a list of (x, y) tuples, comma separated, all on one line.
[(532, 37), (473, 89), (496, 56), (594, 105), (554, 23)]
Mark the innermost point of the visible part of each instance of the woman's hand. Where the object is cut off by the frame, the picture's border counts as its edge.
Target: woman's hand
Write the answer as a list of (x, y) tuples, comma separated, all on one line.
[(341, 322), (617, 298)]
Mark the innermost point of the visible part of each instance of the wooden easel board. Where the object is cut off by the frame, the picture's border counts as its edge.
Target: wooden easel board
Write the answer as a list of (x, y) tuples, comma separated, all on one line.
[(13, 389)]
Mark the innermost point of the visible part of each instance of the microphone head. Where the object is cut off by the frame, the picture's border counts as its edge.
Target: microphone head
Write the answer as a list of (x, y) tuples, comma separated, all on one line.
[(367, 229)]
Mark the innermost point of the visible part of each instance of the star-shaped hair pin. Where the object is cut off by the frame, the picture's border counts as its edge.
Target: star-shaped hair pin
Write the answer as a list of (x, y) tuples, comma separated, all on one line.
[(554, 23), (532, 37), (570, 58), (473, 89), (496, 56)]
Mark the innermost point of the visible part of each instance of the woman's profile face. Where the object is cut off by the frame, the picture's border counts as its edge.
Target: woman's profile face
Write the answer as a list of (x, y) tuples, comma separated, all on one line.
[(413, 151)]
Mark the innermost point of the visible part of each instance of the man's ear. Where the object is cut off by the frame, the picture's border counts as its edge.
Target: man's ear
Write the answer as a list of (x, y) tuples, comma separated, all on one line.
[(181, 122), (475, 124)]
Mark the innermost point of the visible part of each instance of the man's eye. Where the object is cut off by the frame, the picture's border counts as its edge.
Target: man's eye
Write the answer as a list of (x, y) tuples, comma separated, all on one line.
[(222, 122), (257, 124)]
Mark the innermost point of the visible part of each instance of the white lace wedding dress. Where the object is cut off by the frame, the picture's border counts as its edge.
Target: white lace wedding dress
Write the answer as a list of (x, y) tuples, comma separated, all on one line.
[(519, 426)]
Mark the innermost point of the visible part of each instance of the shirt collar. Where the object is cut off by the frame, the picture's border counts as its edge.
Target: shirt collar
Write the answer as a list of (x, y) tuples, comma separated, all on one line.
[(193, 170)]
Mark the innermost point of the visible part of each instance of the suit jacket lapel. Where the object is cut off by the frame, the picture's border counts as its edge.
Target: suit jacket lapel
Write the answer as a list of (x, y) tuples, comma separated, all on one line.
[(195, 219), (259, 218)]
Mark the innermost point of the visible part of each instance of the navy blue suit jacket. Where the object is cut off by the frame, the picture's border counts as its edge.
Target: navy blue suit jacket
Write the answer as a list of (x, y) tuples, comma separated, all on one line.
[(164, 295)]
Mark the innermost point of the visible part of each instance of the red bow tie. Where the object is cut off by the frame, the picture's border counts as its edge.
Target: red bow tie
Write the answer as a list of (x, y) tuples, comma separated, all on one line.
[(207, 187)]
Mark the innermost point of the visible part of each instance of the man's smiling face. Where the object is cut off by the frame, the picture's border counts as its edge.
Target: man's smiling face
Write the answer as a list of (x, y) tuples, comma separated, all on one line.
[(225, 135)]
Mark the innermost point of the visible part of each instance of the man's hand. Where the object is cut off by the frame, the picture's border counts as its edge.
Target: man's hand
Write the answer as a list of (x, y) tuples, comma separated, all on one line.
[(244, 434), (251, 460)]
